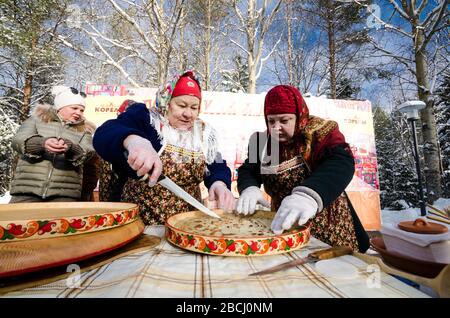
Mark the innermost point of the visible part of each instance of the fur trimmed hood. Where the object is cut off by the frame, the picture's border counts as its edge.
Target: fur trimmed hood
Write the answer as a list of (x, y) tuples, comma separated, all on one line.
[(46, 113)]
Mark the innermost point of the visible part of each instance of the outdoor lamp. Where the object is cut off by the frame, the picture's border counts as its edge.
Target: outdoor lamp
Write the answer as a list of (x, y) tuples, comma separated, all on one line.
[(411, 109)]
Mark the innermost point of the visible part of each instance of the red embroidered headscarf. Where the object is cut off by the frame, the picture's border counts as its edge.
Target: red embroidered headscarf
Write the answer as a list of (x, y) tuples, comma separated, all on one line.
[(312, 135), (286, 99)]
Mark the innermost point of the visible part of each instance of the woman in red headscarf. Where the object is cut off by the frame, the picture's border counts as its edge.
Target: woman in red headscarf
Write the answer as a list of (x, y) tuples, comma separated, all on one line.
[(305, 165), (170, 139)]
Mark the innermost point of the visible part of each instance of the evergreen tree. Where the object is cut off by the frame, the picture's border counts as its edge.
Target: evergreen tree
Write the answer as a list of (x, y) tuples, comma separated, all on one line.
[(443, 123), (31, 64), (30, 59), (343, 23), (346, 89), (237, 79), (8, 127), (398, 181)]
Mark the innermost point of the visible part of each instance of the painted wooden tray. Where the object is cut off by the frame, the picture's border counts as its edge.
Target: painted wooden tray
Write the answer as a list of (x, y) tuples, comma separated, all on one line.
[(143, 242), (22, 257), (232, 235), (28, 221)]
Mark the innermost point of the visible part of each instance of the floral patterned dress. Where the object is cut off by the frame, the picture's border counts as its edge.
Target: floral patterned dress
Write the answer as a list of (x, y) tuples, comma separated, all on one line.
[(184, 162), (105, 181), (334, 224)]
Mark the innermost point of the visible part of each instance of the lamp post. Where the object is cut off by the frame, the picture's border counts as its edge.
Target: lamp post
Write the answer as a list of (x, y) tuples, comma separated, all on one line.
[(411, 109)]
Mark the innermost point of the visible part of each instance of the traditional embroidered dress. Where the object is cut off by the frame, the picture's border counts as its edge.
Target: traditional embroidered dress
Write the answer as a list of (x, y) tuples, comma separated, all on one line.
[(319, 160), (334, 224), (188, 157), (184, 155)]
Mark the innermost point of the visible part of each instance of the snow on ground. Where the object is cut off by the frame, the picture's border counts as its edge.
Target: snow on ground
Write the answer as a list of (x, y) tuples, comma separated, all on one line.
[(394, 216), (5, 198)]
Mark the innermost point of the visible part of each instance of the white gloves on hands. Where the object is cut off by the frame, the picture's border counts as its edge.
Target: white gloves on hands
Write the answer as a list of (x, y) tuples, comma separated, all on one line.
[(143, 158), (220, 193), (248, 200), (298, 207)]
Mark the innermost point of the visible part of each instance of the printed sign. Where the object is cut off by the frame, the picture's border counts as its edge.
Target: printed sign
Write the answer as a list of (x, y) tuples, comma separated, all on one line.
[(236, 116)]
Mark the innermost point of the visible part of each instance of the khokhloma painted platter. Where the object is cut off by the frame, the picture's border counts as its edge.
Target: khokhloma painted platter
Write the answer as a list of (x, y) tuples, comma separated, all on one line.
[(30, 221), (38, 236), (233, 235)]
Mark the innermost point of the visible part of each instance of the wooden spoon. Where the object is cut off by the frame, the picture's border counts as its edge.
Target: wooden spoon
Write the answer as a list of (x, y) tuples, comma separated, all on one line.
[(440, 284)]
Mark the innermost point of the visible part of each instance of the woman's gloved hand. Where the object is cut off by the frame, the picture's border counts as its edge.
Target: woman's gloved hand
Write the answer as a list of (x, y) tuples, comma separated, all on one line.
[(298, 207), (220, 193), (248, 200), (142, 157)]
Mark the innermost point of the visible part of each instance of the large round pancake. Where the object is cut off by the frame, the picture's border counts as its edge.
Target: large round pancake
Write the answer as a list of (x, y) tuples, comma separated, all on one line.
[(232, 235)]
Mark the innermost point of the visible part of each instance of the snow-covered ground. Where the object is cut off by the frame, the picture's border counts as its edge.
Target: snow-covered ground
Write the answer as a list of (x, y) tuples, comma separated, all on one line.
[(394, 216), (5, 198)]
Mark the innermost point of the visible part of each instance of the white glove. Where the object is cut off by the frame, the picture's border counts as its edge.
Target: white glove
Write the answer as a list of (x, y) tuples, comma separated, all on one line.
[(248, 200), (220, 193), (298, 207), (143, 158)]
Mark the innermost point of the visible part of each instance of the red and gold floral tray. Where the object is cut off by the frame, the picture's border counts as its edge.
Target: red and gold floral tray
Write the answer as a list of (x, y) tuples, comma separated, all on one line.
[(28, 221), (23, 257), (232, 235)]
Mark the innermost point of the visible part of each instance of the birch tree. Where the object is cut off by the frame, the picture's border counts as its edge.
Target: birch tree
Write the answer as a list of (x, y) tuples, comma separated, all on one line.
[(150, 43), (297, 60), (206, 19), (254, 25), (415, 25)]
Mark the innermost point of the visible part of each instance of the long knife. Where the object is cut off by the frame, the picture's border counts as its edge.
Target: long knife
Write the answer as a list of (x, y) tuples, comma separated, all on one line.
[(167, 183), (311, 258)]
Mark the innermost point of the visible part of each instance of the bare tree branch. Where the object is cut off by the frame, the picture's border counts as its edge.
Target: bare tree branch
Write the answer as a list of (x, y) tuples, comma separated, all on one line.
[(398, 9), (266, 58), (421, 6), (134, 24), (400, 59), (115, 64), (434, 27), (383, 23), (433, 13), (240, 46)]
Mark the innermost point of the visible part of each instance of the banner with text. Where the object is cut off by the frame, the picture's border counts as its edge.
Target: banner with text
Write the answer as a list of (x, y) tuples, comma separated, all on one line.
[(237, 115)]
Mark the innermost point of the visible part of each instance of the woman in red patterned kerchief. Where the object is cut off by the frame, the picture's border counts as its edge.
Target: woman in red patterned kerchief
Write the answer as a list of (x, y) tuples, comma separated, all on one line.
[(170, 139), (305, 165)]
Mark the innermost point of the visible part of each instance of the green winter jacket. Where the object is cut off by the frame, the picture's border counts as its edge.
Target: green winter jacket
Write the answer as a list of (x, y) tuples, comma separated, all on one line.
[(46, 174)]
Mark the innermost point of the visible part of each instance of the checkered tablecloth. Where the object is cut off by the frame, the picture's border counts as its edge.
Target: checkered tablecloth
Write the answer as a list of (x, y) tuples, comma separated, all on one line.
[(168, 271)]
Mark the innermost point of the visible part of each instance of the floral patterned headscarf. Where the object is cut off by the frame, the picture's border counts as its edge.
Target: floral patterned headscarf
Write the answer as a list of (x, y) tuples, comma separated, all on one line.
[(164, 93)]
